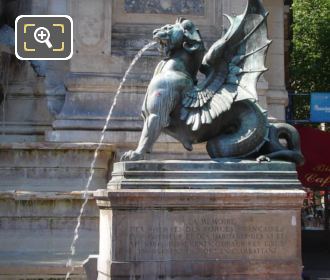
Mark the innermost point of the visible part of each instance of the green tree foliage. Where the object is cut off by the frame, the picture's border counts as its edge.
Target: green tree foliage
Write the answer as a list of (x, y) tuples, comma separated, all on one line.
[(310, 57)]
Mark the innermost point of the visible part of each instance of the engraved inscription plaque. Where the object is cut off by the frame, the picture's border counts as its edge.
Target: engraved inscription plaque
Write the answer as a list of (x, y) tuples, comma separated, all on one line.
[(160, 235)]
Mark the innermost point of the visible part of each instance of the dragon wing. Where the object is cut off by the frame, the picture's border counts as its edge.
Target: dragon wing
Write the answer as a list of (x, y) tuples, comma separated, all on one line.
[(232, 67)]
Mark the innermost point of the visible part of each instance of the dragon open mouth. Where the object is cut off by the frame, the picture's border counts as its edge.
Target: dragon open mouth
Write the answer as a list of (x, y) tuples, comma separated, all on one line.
[(163, 45)]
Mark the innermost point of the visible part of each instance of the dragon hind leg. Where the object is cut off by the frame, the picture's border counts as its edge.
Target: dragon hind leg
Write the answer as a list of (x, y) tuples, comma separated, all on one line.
[(245, 134)]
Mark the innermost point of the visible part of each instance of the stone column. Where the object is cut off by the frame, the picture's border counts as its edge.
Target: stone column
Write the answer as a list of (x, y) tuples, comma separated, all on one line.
[(277, 95)]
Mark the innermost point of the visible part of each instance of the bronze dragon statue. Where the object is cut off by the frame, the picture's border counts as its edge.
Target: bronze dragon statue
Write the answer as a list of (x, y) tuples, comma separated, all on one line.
[(222, 109)]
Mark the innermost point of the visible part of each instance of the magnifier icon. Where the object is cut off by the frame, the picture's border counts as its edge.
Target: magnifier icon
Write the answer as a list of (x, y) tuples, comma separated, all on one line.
[(41, 35)]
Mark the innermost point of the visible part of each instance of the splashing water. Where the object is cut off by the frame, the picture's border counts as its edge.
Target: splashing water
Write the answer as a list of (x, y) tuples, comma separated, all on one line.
[(4, 76), (69, 263)]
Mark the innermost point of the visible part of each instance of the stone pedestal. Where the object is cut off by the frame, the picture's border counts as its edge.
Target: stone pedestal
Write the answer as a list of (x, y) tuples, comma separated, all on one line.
[(200, 220)]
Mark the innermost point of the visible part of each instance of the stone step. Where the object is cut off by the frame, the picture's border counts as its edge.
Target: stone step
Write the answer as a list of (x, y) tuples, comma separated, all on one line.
[(52, 166), (36, 230), (206, 174)]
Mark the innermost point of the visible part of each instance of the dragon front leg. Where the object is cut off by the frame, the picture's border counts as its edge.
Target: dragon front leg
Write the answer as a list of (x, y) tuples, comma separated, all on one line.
[(151, 131)]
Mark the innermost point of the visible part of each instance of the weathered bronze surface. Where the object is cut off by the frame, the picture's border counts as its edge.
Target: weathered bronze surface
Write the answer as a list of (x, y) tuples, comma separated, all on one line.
[(222, 109)]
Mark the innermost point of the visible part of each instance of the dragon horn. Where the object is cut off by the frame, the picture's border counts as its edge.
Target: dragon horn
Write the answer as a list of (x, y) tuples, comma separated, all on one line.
[(179, 20)]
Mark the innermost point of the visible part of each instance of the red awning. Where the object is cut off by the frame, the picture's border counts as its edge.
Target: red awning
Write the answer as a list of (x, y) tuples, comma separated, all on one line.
[(315, 145)]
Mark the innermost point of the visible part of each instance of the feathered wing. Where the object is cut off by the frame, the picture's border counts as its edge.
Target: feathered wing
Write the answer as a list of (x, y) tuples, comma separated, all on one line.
[(232, 67)]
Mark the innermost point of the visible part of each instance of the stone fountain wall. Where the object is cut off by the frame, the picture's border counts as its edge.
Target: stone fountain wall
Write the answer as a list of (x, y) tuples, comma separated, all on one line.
[(75, 96), (49, 125), (40, 198)]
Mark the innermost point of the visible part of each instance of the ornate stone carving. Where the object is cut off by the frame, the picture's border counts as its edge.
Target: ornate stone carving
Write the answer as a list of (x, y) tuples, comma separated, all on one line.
[(92, 31), (184, 7)]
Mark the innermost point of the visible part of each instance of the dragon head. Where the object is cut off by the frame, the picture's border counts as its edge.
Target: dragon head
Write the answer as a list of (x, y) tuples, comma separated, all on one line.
[(181, 35)]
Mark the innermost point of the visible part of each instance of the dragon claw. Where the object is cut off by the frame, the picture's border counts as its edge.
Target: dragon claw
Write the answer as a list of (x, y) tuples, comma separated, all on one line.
[(262, 158), (131, 156)]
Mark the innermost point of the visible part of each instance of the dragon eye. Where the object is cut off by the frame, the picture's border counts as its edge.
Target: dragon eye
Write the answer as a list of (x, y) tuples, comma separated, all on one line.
[(187, 25)]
